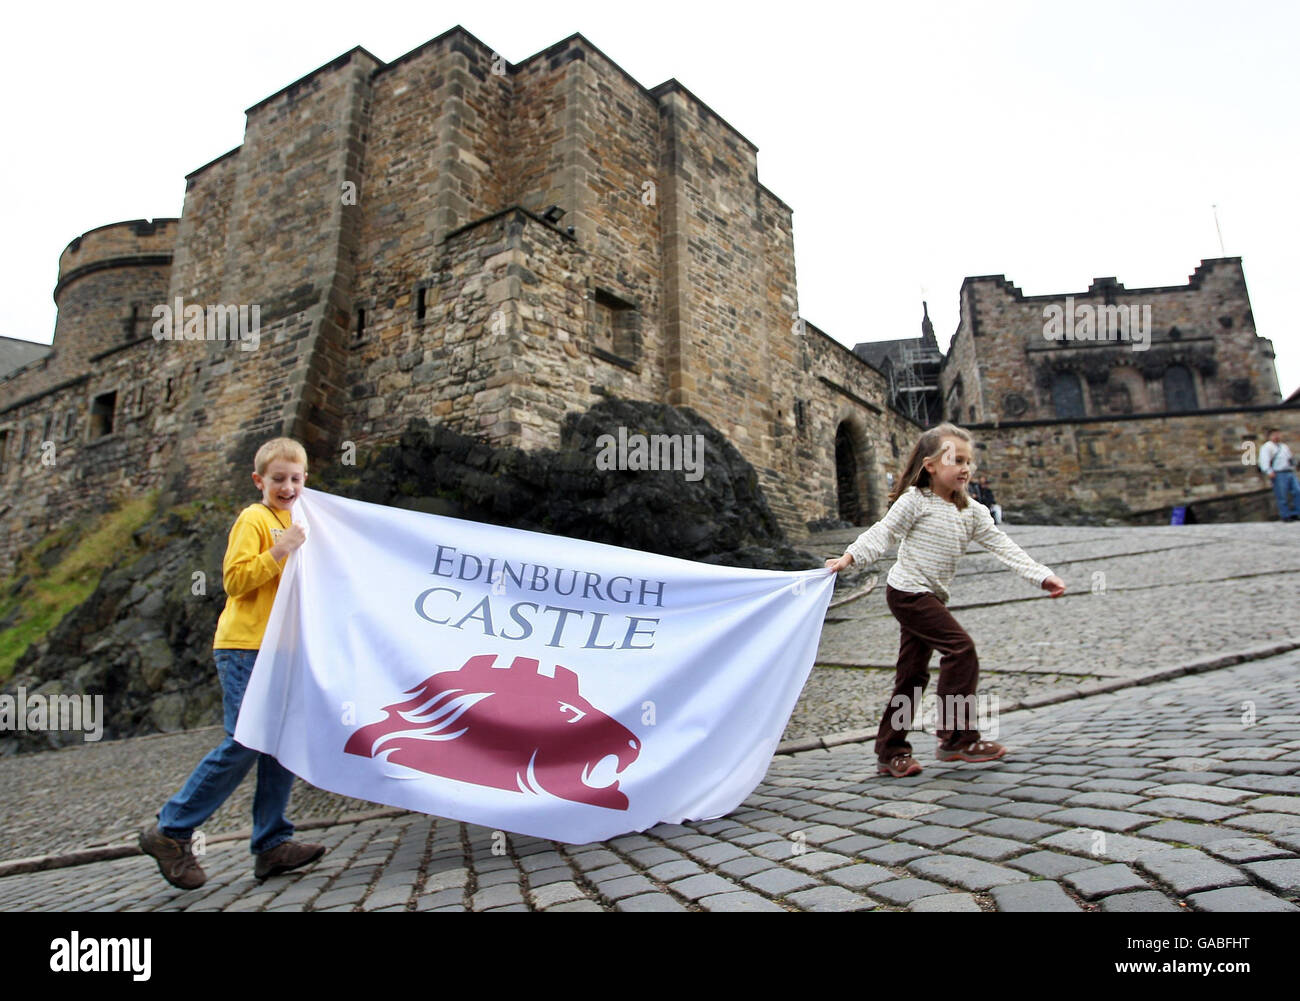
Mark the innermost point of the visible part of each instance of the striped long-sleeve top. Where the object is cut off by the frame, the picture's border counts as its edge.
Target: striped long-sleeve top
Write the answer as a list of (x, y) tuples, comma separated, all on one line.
[(931, 535)]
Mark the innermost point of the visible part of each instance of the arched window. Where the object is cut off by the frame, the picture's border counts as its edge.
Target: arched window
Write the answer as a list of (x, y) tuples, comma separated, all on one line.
[(1180, 390), (1067, 395)]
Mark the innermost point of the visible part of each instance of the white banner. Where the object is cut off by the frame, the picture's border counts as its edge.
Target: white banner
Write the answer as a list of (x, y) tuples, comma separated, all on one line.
[(532, 683)]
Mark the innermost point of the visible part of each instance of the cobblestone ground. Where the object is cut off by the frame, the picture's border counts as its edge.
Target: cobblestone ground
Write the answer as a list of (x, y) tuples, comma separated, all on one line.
[(1150, 798), (1139, 599), (1155, 798)]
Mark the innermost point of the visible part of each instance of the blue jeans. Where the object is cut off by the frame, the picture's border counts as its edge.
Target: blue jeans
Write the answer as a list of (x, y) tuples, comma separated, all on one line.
[(1287, 492), (219, 774)]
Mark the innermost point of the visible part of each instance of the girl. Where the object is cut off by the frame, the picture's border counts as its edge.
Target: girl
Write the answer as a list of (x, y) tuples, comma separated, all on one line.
[(932, 519)]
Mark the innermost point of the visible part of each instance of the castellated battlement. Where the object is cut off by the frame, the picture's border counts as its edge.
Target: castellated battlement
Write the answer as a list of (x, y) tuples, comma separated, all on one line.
[(1223, 269)]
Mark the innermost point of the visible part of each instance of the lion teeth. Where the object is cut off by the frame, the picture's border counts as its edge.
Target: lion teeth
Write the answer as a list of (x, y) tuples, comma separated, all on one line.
[(603, 774)]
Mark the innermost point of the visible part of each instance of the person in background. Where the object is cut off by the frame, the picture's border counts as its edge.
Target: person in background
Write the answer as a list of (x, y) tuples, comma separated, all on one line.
[(983, 493), (1276, 462)]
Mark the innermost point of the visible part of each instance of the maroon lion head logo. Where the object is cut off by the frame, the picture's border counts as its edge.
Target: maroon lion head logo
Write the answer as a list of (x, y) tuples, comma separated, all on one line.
[(511, 728)]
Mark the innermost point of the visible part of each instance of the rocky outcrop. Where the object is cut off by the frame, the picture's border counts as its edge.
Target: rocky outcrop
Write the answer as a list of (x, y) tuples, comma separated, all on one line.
[(721, 517)]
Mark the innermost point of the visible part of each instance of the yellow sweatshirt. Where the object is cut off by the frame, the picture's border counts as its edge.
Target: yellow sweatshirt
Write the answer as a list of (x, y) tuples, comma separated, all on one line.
[(250, 575)]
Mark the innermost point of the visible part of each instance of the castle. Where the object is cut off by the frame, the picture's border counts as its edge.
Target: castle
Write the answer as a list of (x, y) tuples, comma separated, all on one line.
[(1113, 401), (494, 245)]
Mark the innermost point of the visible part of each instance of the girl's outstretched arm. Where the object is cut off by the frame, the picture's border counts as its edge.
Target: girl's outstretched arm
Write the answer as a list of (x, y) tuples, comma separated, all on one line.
[(888, 531), (1001, 545)]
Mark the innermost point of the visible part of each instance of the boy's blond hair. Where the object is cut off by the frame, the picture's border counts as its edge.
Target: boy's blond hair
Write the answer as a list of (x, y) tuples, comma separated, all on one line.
[(279, 448)]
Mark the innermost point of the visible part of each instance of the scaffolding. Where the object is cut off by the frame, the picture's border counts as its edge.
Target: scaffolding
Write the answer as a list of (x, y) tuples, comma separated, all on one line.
[(914, 380)]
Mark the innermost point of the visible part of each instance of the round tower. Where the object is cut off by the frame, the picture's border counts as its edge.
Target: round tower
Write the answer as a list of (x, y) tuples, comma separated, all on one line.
[(109, 281)]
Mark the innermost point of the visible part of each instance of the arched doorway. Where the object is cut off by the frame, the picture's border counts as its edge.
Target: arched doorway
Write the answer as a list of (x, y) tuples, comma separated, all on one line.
[(846, 477)]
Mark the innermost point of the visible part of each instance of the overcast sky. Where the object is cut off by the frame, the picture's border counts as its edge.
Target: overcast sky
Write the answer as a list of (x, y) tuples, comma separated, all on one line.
[(917, 143)]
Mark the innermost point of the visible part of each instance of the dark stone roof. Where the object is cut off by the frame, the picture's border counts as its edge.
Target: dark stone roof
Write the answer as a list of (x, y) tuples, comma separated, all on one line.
[(15, 353), (874, 353)]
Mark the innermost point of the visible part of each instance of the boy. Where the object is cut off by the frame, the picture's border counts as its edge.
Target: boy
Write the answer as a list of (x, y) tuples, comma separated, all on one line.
[(260, 541)]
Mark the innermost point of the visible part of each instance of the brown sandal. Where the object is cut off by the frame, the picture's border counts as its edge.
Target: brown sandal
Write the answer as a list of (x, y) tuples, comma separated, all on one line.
[(975, 750), (899, 766)]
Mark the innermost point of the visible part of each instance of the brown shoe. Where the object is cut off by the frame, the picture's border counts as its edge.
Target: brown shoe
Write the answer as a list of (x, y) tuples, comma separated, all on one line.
[(286, 856), (900, 766), (974, 750), (175, 860)]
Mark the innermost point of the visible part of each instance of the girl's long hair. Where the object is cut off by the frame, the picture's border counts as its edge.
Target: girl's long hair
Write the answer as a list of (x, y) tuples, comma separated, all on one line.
[(930, 446)]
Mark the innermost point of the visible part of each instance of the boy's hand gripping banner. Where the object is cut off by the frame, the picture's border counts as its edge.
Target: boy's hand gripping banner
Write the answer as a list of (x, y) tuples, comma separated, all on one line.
[(548, 686)]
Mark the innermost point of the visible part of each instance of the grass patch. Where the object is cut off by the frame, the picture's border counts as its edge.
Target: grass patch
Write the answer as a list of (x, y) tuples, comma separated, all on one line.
[(190, 510), (31, 610)]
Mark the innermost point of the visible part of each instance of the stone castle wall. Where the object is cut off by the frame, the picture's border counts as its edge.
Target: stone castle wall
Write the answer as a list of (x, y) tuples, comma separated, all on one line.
[(289, 246), (832, 397), (76, 426), (1116, 467), (54, 468)]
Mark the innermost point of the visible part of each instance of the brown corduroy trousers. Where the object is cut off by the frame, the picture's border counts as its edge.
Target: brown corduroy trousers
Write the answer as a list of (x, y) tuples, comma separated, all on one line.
[(925, 625)]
